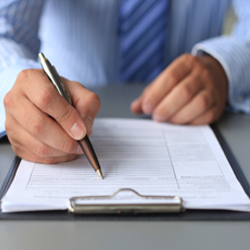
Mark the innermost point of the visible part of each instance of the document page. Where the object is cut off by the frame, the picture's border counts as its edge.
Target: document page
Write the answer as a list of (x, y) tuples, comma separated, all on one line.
[(149, 157)]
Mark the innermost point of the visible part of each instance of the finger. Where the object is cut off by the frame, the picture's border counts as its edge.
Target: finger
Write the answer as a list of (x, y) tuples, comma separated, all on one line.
[(85, 101), (18, 136), (136, 106), (210, 116), (25, 154), (89, 122), (178, 98), (45, 96), (200, 104), (41, 126), (165, 82)]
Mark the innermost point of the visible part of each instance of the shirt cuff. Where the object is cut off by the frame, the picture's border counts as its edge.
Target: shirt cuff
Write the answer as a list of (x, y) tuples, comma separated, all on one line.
[(235, 59), (7, 79)]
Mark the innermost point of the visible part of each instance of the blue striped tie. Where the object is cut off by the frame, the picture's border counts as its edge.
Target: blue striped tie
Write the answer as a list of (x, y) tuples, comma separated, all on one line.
[(142, 34)]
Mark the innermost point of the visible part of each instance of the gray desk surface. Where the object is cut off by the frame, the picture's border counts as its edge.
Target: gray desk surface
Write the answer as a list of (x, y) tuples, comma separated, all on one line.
[(133, 234)]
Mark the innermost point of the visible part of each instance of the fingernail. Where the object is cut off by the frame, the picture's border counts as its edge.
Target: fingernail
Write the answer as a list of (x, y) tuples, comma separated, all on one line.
[(147, 108), (157, 118), (77, 131), (79, 150)]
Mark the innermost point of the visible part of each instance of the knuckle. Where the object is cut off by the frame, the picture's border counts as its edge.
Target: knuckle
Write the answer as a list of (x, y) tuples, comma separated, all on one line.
[(24, 75), (41, 150), (8, 125), (45, 98), (190, 59), (173, 76), (37, 126), (203, 102), (8, 100), (65, 115), (199, 69), (205, 74), (185, 92)]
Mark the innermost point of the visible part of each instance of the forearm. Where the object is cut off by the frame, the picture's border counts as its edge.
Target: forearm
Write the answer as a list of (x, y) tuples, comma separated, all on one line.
[(7, 80), (19, 43)]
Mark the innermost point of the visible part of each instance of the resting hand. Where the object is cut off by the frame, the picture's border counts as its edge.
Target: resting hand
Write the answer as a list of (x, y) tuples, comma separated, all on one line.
[(192, 90), (30, 106)]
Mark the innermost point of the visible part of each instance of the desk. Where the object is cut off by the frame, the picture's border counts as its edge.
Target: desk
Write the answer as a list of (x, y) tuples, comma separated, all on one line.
[(147, 235)]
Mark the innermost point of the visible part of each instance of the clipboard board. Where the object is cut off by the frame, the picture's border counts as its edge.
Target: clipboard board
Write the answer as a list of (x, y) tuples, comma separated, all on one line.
[(175, 211)]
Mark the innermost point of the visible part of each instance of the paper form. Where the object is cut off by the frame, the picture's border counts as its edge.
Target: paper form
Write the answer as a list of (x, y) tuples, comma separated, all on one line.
[(152, 158)]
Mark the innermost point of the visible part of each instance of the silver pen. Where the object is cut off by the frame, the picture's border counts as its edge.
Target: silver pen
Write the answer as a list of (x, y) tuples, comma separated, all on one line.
[(85, 143)]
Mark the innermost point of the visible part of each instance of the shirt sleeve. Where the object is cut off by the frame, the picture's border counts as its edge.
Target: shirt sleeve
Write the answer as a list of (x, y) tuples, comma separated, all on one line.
[(19, 43), (233, 53)]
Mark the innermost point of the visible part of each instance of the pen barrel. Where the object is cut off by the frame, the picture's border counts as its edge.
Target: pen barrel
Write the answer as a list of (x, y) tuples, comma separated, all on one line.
[(89, 152), (55, 79)]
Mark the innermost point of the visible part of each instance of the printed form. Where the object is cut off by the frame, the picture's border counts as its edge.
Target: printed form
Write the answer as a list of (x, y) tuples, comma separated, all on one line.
[(151, 158)]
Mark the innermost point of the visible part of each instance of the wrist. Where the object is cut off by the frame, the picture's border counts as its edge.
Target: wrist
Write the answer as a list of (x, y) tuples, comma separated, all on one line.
[(215, 69)]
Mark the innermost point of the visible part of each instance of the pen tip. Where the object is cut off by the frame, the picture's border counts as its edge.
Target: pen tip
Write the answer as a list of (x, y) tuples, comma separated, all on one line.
[(99, 172)]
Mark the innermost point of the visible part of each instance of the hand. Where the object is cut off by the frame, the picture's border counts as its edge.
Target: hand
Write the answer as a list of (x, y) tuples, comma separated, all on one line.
[(41, 125), (192, 90)]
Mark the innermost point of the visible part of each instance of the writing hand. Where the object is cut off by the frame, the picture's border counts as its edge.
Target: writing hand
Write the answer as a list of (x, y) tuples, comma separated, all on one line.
[(192, 90), (41, 125)]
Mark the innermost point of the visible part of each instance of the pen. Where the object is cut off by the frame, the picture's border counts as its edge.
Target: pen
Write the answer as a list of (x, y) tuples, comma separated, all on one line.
[(85, 143)]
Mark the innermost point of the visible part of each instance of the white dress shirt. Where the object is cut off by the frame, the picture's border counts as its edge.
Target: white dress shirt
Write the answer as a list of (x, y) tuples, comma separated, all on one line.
[(80, 38)]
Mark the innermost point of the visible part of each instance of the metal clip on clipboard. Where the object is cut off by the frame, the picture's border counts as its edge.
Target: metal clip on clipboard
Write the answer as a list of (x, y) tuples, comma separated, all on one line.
[(93, 204)]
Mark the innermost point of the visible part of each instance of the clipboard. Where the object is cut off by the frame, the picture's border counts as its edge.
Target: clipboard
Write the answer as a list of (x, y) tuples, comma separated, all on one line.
[(175, 211)]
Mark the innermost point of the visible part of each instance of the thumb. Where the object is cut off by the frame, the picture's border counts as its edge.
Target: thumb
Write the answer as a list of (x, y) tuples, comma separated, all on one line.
[(86, 102)]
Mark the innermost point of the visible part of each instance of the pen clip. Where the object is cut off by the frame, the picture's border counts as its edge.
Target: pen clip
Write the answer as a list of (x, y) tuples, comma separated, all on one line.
[(54, 77)]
